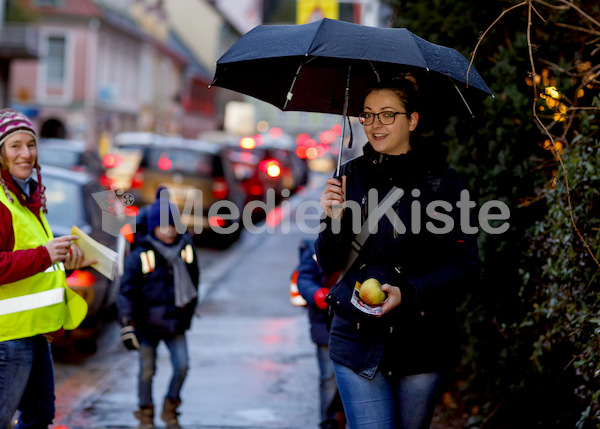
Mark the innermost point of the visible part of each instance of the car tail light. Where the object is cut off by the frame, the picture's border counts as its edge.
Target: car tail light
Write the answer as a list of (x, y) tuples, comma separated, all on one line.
[(131, 211), (216, 221), (81, 279), (256, 190), (110, 160), (127, 232), (164, 163), (106, 181), (220, 188), (271, 167), (137, 180)]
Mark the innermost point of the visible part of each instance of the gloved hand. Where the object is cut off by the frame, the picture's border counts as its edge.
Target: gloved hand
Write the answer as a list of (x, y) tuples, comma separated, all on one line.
[(319, 297), (128, 338)]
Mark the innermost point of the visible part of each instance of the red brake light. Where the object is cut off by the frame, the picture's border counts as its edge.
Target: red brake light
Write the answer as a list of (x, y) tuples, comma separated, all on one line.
[(137, 181), (106, 181), (271, 167), (127, 232), (81, 279), (256, 190), (111, 160), (131, 211), (216, 221), (220, 188), (165, 163)]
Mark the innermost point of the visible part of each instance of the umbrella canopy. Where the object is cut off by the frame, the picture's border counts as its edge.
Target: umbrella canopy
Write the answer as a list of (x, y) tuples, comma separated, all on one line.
[(314, 67)]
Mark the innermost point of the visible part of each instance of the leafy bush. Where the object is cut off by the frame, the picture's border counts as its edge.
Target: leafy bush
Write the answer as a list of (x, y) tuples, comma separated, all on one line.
[(532, 325)]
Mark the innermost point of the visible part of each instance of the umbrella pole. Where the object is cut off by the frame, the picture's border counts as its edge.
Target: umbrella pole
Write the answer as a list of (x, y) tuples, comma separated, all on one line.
[(344, 114)]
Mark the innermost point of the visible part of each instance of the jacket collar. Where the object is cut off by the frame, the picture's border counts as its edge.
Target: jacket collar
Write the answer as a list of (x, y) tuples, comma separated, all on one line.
[(32, 202), (418, 166)]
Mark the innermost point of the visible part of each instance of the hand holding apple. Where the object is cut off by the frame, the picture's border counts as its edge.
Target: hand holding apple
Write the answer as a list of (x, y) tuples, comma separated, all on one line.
[(370, 292), (394, 298)]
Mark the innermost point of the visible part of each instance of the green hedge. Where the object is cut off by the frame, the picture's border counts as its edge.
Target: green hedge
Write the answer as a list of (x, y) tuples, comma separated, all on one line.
[(532, 324)]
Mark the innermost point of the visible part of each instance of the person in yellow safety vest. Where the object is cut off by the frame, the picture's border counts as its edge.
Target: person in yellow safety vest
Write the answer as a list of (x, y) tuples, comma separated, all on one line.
[(34, 298)]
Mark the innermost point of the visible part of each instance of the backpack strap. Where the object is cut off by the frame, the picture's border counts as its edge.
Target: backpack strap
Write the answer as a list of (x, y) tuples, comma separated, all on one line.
[(355, 247)]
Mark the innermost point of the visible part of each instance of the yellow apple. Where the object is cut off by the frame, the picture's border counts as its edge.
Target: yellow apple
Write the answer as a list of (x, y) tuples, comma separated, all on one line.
[(371, 293)]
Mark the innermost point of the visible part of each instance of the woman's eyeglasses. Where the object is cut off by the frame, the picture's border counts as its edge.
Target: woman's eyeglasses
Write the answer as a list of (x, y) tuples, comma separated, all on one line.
[(386, 118)]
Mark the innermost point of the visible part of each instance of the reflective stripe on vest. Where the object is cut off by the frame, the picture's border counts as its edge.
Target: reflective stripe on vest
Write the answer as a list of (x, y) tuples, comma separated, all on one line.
[(187, 254), (148, 261), (31, 301), (148, 258)]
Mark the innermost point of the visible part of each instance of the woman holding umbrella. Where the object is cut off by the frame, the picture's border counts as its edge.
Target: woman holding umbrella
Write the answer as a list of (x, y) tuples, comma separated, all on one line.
[(390, 367)]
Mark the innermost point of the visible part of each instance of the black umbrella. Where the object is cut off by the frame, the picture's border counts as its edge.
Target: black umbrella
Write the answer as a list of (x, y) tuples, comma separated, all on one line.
[(327, 65)]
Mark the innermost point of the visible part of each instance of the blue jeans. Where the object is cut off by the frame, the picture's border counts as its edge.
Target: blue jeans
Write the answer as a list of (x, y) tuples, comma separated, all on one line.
[(26, 383), (405, 403), (177, 346), (328, 390)]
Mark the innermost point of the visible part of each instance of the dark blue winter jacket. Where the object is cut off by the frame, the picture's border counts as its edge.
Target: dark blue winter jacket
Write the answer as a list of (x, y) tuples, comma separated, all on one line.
[(148, 298), (431, 270), (310, 279)]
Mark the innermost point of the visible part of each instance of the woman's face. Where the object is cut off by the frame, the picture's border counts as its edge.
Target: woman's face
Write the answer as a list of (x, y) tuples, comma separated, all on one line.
[(19, 155), (389, 139)]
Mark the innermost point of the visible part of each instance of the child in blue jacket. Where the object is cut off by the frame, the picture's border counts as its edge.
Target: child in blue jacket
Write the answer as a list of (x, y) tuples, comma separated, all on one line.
[(157, 300), (314, 285)]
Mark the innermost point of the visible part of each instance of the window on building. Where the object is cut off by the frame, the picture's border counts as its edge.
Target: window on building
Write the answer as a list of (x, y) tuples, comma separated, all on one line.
[(55, 3), (55, 61)]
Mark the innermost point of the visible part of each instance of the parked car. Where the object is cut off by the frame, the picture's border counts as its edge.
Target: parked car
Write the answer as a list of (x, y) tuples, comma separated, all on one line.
[(126, 160), (73, 155), (70, 201), (197, 175)]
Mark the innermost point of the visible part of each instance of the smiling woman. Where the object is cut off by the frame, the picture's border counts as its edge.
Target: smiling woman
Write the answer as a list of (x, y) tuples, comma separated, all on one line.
[(34, 299), (405, 350)]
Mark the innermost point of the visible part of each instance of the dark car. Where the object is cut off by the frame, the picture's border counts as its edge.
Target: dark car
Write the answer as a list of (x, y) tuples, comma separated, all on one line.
[(257, 171), (70, 201), (73, 155), (197, 175), (294, 170)]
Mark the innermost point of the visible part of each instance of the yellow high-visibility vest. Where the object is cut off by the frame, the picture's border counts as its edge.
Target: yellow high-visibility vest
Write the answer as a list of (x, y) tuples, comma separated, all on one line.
[(41, 303)]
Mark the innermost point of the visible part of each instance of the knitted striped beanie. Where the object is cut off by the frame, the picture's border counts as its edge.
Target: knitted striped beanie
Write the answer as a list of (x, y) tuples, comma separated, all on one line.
[(12, 122)]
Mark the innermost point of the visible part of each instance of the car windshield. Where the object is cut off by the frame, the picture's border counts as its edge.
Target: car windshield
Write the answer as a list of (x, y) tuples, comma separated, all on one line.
[(64, 201), (58, 157), (181, 161)]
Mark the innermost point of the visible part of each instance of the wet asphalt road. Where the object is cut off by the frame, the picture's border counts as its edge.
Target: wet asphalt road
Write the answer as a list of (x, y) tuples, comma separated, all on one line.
[(252, 363)]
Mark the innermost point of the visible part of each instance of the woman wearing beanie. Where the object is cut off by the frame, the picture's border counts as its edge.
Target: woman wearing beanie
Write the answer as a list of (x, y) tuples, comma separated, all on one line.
[(34, 298), (157, 300)]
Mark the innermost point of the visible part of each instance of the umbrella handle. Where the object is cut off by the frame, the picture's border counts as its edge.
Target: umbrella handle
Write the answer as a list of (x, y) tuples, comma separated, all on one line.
[(344, 114)]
